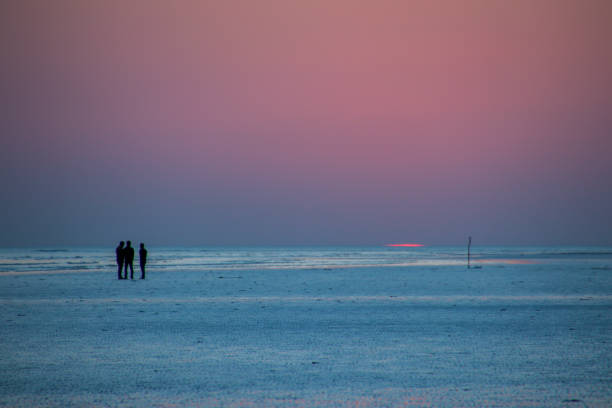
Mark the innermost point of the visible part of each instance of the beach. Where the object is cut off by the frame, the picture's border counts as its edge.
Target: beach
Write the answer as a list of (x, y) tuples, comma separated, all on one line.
[(342, 328)]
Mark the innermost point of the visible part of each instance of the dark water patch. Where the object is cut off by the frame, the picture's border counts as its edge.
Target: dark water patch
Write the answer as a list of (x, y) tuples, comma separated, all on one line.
[(582, 253)]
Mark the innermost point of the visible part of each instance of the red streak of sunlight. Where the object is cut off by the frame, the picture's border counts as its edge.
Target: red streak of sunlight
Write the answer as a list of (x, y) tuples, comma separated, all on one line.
[(405, 245)]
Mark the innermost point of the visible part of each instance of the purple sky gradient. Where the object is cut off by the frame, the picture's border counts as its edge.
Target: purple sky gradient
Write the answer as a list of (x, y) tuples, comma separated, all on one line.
[(305, 122)]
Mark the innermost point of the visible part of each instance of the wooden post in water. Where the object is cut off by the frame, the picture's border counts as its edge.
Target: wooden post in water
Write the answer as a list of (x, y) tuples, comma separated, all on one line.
[(469, 245)]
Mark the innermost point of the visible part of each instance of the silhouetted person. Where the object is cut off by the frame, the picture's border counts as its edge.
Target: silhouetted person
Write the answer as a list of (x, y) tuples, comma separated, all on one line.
[(129, 259), (143, 260), (120, 251)]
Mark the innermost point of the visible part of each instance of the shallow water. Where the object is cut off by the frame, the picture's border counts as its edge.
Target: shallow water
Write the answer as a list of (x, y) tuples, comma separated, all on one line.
[(308, 327), (76, 259)]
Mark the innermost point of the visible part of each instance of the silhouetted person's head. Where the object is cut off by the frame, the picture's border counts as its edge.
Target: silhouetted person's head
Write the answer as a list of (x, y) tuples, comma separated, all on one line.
[(121, 243), (129, 243), (141, 245)]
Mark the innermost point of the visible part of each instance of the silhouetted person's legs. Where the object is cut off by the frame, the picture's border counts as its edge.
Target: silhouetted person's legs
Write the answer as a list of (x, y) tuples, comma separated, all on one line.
[(131, 265), (142, 270), (119, 270)]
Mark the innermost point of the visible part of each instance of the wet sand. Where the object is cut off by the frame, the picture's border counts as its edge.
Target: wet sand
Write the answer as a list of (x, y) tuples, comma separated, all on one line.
[(517, 335)]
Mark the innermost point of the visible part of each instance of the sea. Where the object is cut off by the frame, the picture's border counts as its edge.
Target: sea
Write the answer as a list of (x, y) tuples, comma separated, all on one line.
[(168, 259)]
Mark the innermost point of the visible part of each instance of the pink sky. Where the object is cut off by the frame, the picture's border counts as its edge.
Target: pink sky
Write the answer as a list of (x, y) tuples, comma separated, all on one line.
[(305, 122)]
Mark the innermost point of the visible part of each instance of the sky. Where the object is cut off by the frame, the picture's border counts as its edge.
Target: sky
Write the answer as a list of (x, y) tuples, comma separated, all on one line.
[(318, 122)]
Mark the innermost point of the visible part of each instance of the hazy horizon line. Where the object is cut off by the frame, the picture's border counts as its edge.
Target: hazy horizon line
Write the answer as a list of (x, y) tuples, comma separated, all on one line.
[(348, 245)]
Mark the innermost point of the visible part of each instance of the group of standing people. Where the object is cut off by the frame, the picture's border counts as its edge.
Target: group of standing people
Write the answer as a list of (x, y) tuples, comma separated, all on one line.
[(125, 258)]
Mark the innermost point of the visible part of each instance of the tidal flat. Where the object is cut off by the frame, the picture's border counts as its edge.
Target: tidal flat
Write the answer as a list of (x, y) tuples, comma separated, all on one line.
[(502, 335)]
